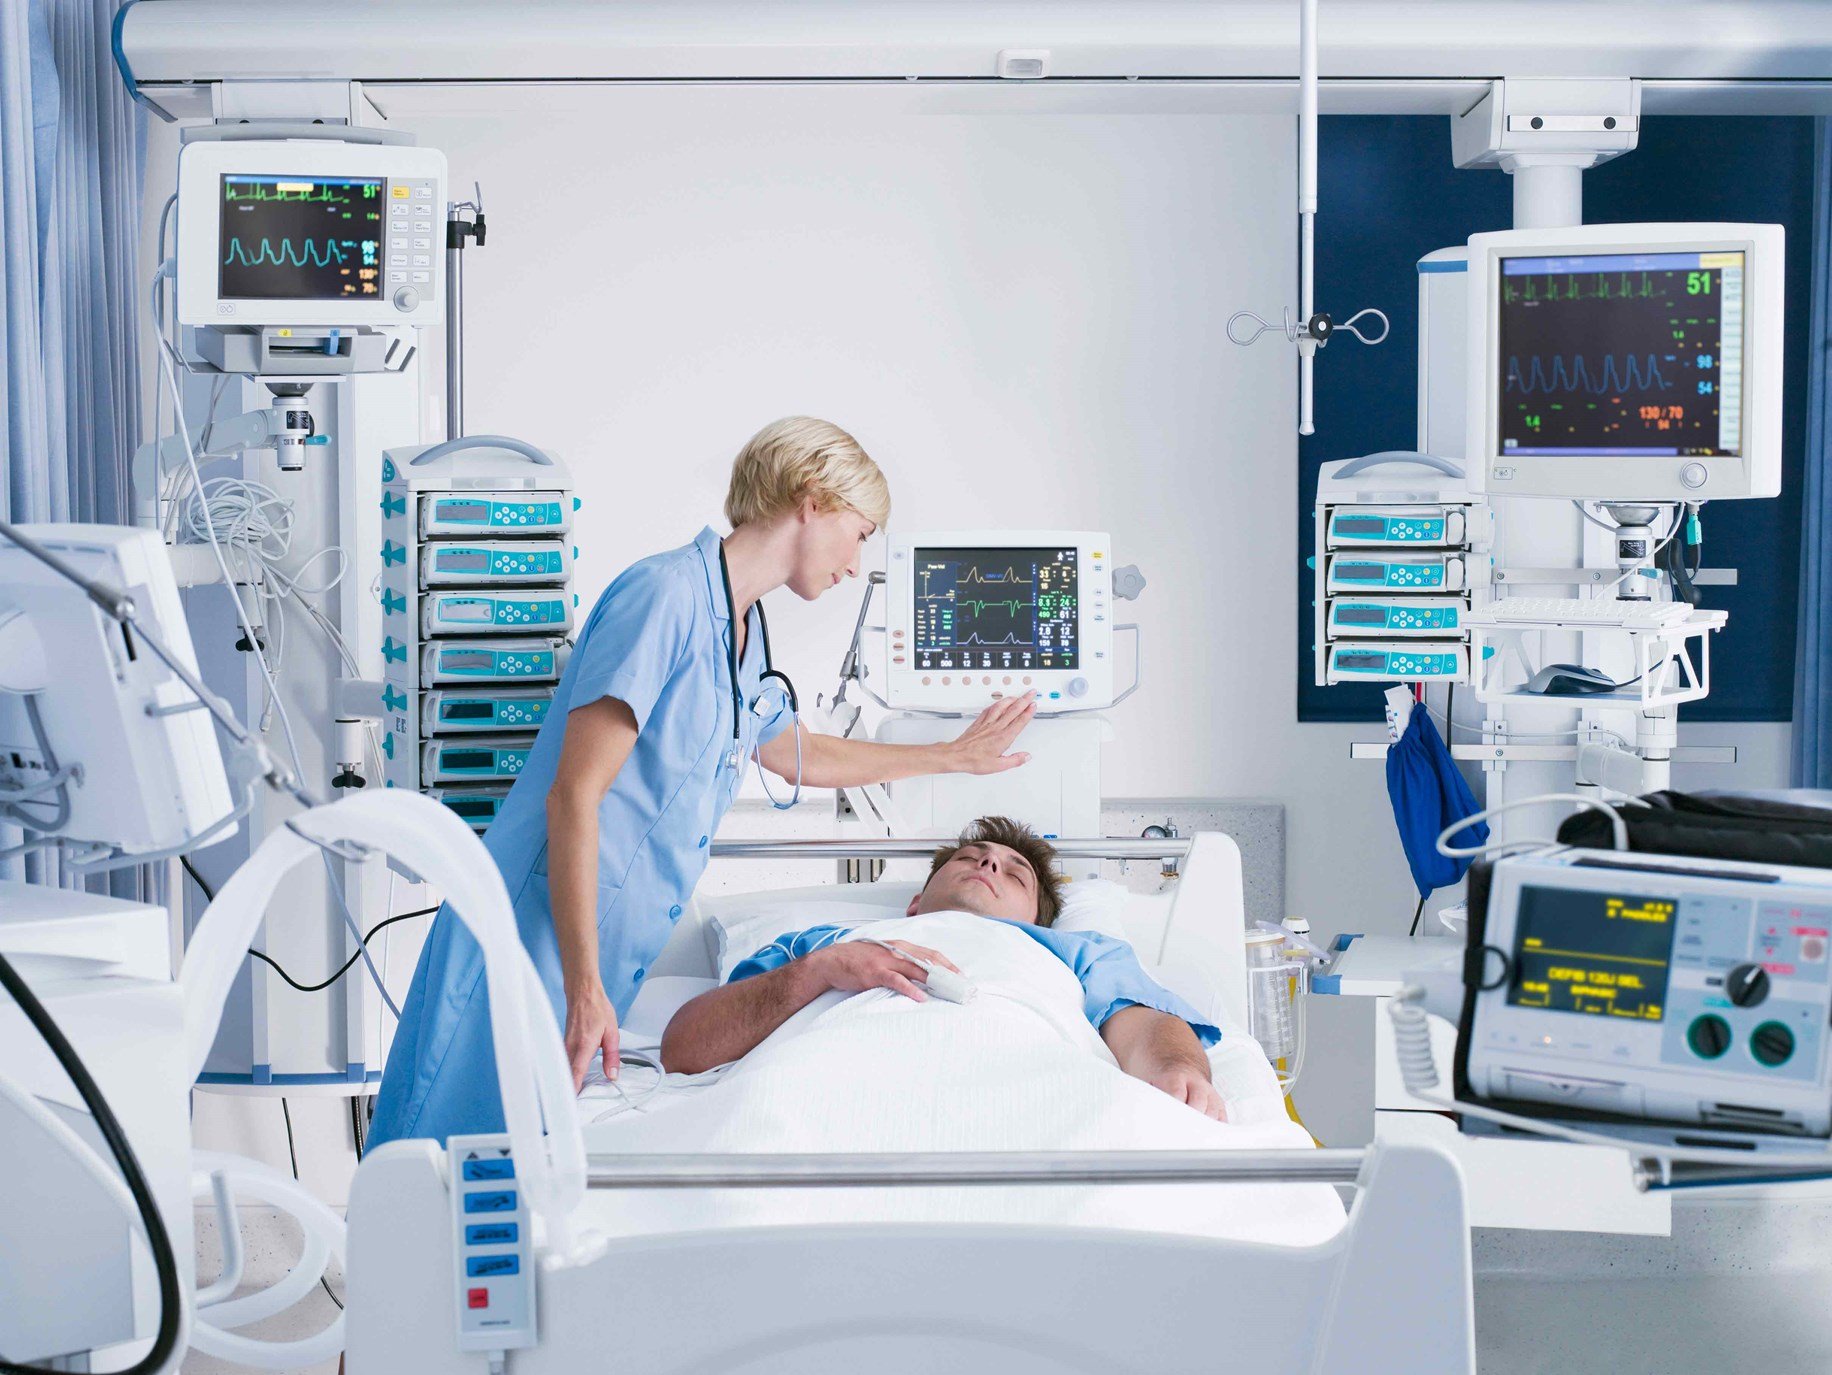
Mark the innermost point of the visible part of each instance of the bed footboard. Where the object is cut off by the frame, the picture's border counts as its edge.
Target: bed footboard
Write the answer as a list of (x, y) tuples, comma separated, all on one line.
[(1393, 1285)]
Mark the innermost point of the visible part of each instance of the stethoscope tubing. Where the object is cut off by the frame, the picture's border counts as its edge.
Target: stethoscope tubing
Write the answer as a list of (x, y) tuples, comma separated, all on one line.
[(769, 671)]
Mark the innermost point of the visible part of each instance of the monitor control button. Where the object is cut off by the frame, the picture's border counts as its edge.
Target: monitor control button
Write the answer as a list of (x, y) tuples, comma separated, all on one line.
[(1693, 475), (1708, 1036), (1078, 687), (1747, 985), (406, 298), (1772, 1044)]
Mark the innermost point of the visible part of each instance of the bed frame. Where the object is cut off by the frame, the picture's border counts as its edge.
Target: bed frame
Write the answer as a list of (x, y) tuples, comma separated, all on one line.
[(1391, 1291)]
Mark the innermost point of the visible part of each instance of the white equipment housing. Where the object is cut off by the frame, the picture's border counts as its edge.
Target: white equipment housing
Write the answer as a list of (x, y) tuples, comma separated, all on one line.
[(76, 1275), (1058, 793), (383, 265), (107, 702), (1697, 417), (1054, 637)]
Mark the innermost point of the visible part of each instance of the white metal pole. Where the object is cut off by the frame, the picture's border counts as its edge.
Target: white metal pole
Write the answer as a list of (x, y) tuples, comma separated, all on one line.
[(1307, 202)]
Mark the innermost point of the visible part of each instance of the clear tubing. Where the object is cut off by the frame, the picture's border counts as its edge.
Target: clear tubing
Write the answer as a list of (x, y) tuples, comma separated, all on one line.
[(324, 1237), (227, 1219)]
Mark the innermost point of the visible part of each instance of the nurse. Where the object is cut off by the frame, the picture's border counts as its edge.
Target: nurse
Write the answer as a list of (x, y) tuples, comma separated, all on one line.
[(606, 831)]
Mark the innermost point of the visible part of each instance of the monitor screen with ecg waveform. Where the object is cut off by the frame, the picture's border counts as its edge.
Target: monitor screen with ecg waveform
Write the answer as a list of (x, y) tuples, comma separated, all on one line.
[(1622, 353), (995, 609), (301, 238)]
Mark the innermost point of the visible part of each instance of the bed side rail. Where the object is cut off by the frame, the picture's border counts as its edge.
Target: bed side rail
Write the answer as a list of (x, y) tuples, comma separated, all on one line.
[(896, 1169), (923, 847)]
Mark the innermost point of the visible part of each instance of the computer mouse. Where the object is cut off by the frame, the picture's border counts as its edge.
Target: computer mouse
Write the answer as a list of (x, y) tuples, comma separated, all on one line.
[(1570, 680)]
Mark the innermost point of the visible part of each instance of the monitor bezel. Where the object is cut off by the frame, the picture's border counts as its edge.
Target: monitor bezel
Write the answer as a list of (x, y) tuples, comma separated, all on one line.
[(1753, 472)]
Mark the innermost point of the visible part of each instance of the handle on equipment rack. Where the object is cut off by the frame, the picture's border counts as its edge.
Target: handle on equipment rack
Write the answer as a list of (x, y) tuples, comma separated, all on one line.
[(483, 441)]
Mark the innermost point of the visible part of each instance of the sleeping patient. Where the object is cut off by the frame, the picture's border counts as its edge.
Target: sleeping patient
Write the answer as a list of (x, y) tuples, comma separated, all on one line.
[(1000, 873)]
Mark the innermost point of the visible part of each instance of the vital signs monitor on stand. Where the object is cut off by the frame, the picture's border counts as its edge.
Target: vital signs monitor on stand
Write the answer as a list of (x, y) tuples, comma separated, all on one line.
[(976, 614), (1626, 363)]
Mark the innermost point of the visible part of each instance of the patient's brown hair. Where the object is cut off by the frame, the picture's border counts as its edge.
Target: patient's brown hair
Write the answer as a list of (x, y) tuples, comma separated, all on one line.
[(1014, 835)]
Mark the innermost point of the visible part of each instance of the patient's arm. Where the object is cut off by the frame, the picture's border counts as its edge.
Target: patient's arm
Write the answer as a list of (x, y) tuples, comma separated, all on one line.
[(1164, 1052), (729, 1022)]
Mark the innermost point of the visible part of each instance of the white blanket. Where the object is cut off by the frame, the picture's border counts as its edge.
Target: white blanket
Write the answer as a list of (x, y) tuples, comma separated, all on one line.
[(1016, 1069)]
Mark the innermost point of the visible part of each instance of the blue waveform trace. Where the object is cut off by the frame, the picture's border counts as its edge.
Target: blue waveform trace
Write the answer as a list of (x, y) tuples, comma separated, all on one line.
[(287, 255), (1630, 376)]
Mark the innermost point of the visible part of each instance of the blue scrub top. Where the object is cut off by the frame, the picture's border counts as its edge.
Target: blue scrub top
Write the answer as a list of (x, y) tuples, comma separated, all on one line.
[(659, 641), (1110, 973)]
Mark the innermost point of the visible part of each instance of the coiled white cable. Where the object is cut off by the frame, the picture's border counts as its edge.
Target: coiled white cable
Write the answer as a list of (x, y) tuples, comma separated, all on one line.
[(1618, 829), (1412, 1045)]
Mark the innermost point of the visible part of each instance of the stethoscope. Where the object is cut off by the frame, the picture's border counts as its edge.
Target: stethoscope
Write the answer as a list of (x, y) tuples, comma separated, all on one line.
[(734, 757)]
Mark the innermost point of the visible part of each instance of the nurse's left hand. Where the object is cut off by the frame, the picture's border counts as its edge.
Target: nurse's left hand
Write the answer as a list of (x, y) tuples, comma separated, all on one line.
[(981, 748)]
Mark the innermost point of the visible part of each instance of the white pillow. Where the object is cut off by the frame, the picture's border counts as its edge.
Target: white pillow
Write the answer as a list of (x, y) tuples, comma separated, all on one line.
[(1093, 904), (744, 923), (655, 1005)]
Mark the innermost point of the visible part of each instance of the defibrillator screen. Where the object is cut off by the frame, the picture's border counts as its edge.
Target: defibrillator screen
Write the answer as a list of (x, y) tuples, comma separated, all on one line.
[(1601, 953)]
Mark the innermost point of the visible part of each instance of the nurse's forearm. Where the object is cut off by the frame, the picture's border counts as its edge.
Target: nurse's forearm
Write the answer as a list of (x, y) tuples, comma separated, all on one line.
[(572, 888), (599, 738), (830, 762)]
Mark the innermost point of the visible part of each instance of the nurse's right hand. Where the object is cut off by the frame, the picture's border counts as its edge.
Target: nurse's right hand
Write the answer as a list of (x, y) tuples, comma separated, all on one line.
[(591, 1026)]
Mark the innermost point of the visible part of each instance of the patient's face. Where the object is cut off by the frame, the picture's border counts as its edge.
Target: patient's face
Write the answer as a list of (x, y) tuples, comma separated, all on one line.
[(983, 878)]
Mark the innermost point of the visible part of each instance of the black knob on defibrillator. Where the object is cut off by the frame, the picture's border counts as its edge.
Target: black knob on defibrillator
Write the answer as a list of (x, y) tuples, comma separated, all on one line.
[(1746, 985)]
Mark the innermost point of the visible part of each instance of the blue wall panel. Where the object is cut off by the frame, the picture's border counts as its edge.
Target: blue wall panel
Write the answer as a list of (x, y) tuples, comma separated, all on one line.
[(1388, 195)]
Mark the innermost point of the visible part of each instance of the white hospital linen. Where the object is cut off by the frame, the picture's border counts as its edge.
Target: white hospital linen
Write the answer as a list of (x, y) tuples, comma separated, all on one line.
[(1017, 1069)]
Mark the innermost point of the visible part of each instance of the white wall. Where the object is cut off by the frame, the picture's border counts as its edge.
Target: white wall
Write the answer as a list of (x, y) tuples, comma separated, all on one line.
[(1021, 316)]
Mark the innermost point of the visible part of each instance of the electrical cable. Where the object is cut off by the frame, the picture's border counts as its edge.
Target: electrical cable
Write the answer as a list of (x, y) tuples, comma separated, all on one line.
[(1417, 912), (273, 964), (167, 1346), (169, 360), (293, 1155), (57, 779)]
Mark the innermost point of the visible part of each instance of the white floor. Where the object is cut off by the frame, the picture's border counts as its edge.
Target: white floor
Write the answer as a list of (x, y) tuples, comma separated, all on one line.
[(1741, 1285)]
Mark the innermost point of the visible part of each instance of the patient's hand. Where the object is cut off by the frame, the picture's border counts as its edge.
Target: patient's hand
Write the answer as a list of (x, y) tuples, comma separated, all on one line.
[(1164, 1052), (854, 966), (1187, 1084)]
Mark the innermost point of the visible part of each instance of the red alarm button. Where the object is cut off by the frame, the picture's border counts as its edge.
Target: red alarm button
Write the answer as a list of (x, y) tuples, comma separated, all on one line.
[(479, 1298)]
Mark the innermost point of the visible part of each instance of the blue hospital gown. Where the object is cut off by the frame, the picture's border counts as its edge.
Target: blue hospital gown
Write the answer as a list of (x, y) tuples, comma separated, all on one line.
[(1110, 973), (658, 640)]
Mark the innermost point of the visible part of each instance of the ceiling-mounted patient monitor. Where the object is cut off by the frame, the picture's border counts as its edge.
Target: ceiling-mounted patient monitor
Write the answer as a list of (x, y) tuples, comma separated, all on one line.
[(982, 613), (1626, 362)]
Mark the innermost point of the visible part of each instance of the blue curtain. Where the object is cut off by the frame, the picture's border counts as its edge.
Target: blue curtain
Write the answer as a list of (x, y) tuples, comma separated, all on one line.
[(71, 158), (1813, 657)]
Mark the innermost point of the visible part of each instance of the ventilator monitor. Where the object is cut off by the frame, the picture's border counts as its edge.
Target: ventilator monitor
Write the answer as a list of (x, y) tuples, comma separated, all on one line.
[(1631, 362), (981, 614)]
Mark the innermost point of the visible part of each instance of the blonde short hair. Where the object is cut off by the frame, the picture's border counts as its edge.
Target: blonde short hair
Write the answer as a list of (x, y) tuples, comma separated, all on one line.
[(798, 457)]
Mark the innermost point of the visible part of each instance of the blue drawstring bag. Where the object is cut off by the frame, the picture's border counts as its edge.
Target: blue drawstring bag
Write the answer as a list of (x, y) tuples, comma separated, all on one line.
[(1429, 794)]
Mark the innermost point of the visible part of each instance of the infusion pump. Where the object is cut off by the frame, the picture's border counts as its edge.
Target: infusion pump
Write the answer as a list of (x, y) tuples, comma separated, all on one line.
[(978, 614)]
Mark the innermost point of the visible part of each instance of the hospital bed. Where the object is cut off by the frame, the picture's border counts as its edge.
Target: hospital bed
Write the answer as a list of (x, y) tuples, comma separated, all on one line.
[(1387, 1288)]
